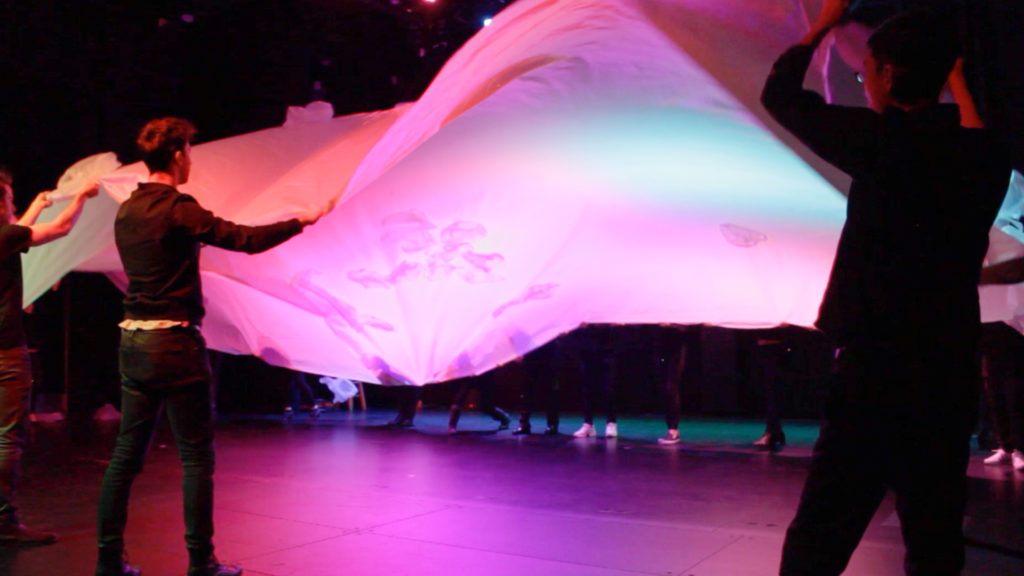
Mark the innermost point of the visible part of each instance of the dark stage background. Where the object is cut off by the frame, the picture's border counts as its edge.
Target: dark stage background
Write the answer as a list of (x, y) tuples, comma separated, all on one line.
[(77, 78)]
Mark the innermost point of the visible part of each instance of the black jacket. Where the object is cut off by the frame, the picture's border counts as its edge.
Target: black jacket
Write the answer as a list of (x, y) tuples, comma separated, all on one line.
[(158, 231), (924, 194)]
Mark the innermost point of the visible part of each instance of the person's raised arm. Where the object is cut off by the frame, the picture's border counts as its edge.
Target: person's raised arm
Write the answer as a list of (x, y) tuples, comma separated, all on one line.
[(785, 84), (40, 203), (843, 136), (957, 84), (832, 13), (65, 221)]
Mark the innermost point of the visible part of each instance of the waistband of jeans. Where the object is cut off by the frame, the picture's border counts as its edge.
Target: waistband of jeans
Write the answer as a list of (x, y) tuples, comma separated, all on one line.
[(134, 325)]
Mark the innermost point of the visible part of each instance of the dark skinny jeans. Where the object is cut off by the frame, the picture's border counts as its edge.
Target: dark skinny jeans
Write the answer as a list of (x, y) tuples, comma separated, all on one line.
[(161, 369)]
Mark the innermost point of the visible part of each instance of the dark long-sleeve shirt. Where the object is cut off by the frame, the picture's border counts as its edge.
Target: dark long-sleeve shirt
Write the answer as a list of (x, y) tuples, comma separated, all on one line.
[(924, 194), (158, 232)]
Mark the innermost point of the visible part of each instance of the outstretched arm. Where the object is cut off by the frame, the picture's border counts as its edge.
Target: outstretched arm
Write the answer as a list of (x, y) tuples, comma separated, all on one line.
[(41, 202), (201, 224), (65, 221)]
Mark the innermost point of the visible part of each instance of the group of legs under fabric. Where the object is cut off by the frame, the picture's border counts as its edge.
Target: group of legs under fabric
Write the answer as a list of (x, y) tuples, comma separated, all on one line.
[(592, 356), (587, 353), (408, 398), (595, 358), (302, 398)]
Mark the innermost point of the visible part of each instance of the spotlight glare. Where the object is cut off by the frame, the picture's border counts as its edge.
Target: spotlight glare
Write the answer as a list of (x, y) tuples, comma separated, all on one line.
[(487, 21)]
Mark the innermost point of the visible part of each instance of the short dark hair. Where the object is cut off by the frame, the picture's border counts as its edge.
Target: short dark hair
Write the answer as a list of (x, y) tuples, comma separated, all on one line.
[(159, 139), (921, 46)]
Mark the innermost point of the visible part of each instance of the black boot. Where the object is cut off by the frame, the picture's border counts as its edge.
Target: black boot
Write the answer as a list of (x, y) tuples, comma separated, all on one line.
[(123, 569), (215, 568), (113, 563), (552, 429), (200, 564), (400, 421), (524, 426)]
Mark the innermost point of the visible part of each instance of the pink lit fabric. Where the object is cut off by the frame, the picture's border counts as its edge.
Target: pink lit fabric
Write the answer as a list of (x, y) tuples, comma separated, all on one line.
[(578, 161)]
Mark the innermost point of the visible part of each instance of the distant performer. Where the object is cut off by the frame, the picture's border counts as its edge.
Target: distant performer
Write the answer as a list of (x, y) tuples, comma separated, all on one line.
[(163, 358), (16, 236), (902, 300)]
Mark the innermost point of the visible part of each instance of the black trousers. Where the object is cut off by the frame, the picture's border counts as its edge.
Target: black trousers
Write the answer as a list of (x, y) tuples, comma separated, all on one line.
[(1003, 353), (559, 364), (485, 384), (408, 398), (161, 369), (673, 345), (899, 418)]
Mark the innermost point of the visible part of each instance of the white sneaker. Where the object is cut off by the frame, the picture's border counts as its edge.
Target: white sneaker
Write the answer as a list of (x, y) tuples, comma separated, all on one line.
[(1018, 460), (999, 456), (585, 431), (672, 437), (611, 430)]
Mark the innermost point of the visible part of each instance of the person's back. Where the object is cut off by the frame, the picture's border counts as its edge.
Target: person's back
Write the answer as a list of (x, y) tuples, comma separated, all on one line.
[(902, 300), (919, 212), (161, 265), (159, 231), (162, 357), (925, 192)]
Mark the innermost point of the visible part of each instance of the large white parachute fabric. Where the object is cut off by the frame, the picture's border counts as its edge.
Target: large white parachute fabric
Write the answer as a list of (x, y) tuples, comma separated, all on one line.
[(578, 161)]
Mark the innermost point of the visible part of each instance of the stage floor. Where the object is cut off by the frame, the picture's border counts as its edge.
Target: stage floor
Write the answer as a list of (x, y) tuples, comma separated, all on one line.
[(343, 495)]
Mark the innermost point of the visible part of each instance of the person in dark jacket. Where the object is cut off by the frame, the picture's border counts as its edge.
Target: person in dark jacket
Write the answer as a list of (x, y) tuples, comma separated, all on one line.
[(901, 302), (163, 357)]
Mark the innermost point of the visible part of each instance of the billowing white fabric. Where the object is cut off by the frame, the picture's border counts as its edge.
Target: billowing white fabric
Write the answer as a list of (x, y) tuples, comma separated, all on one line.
[(578, 161), (1006, 241), (83, 173)]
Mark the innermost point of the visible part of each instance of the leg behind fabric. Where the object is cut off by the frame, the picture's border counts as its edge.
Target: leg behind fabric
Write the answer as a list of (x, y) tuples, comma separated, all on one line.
[(553, 402), (527, 399), (609, 387), (458, 399), (673, 376)]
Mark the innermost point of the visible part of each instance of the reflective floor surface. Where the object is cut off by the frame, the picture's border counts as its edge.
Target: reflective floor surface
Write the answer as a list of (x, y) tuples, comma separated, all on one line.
[(344, 495)]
